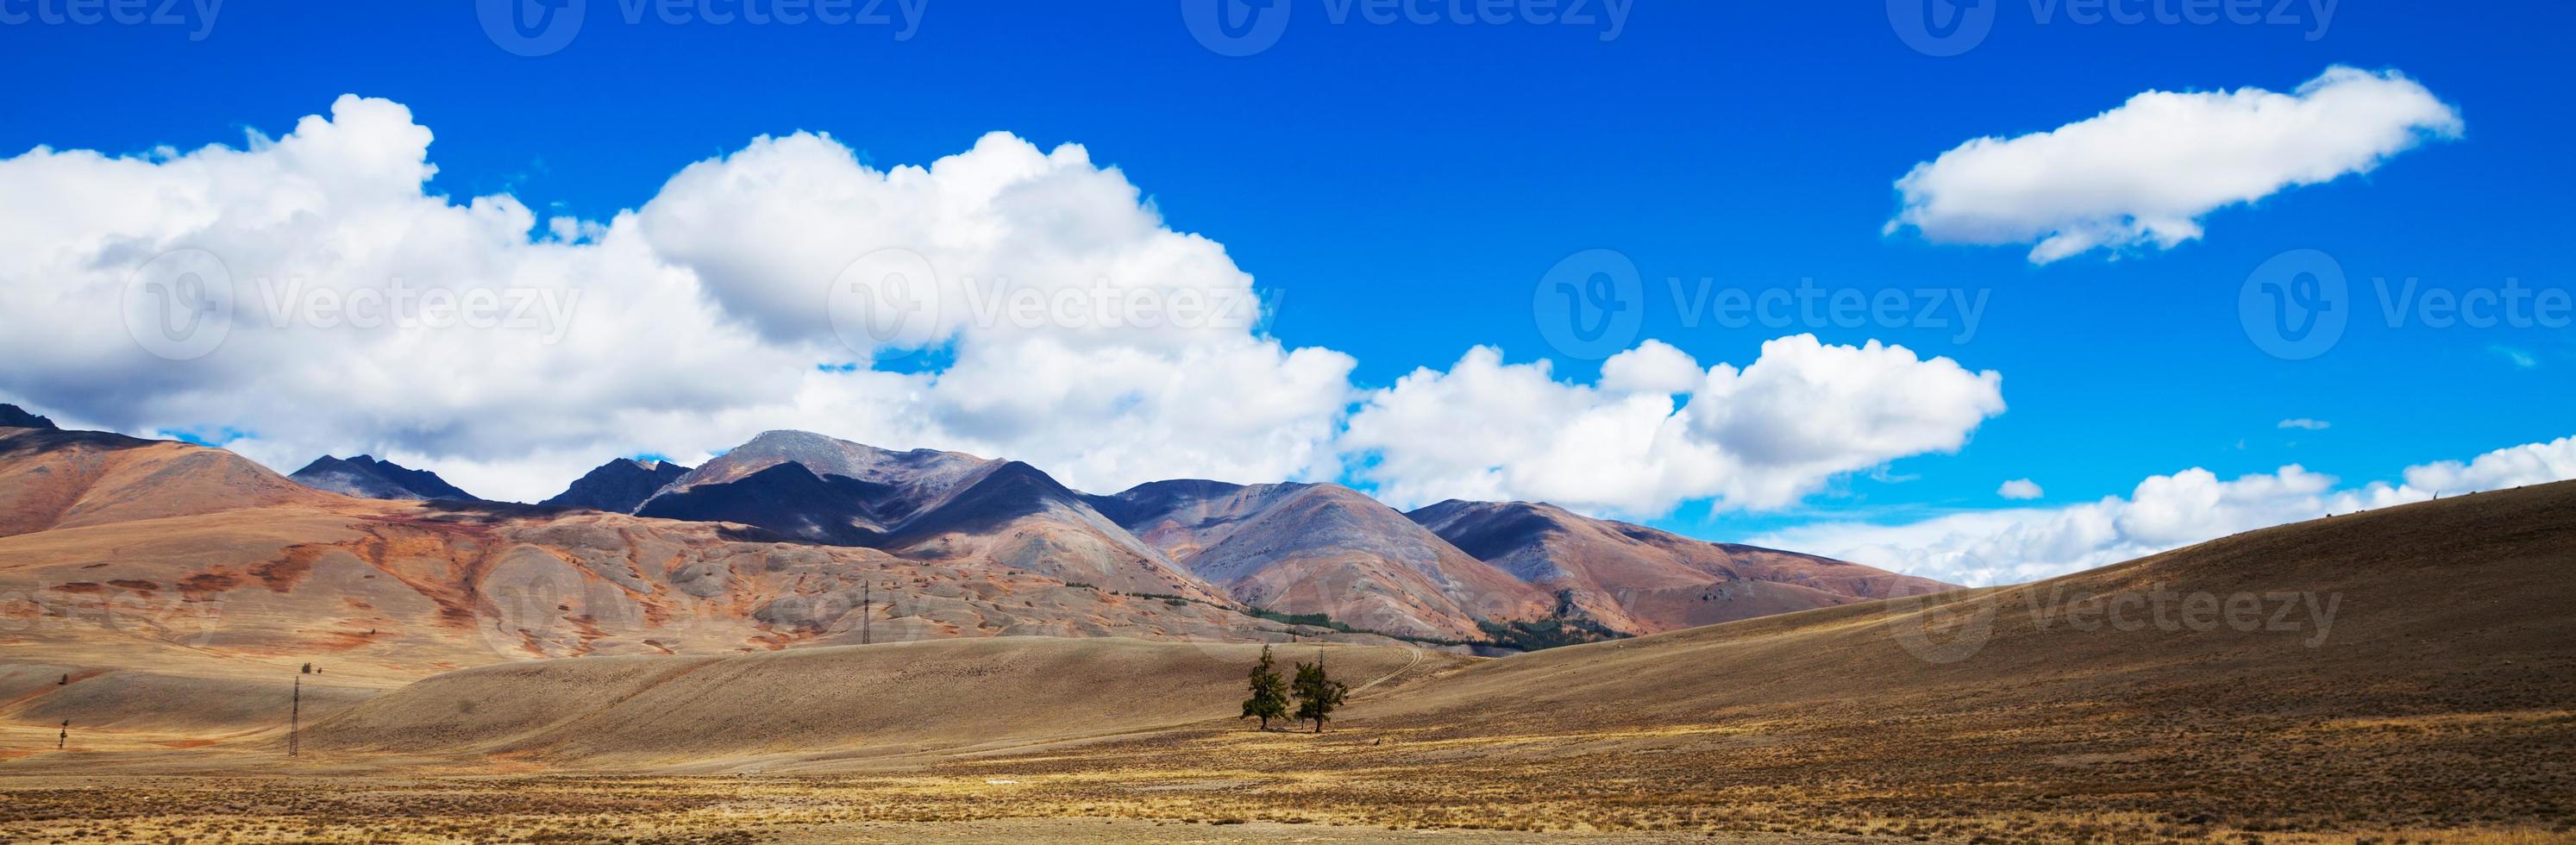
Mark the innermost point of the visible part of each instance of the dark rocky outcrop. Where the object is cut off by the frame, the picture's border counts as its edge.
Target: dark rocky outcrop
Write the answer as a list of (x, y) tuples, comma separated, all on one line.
[(12, 416), (619, 486), (367, 478)]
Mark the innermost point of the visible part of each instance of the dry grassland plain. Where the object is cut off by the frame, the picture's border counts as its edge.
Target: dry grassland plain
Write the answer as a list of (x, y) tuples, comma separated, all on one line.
[(2432, 704)]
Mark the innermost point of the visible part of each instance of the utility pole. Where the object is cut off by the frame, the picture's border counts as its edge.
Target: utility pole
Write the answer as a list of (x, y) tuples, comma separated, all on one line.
[(867, 610), (295, 718)]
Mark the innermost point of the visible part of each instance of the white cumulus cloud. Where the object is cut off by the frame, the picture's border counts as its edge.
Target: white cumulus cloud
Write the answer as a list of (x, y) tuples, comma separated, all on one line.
[(2020, 488), (1656, 430), (2164, 512), (2145, 173), (690, 324), (1014, 301), (2530, 463)]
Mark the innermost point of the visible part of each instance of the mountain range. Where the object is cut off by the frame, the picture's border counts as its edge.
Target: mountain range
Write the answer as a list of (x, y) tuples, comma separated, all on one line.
[(1324, 549), (1637, 579), (1449, 571), (180, 559), (179, 609), (2393, 656), (172, 609), (1454, 571), (1323, 556)]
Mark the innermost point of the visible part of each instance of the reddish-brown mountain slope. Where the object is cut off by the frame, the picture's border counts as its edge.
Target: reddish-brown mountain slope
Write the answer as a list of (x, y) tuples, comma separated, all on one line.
[(921, 504), (69, 479), (1641, 580), (130, 548), (1324, 548)]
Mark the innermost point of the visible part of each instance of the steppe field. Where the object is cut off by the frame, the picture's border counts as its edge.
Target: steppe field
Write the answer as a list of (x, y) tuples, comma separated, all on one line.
[(2410, 678)]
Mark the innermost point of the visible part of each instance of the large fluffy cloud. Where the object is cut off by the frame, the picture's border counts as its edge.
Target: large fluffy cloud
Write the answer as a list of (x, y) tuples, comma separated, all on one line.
[(2530, 463), (1006, 300), (689, 324), (2164, 512), (2146, 172), (1657, 430)]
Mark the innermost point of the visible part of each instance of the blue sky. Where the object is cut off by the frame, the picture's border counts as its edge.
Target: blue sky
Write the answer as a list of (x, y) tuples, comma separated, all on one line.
[(1404, 185)]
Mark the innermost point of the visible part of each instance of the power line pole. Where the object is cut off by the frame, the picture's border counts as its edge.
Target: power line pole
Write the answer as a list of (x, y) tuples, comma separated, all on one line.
[(867, 610), (295, 718)]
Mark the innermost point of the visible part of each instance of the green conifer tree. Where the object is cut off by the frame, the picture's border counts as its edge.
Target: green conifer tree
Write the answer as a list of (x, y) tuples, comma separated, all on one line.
[(1317, 693), (1269, 692)]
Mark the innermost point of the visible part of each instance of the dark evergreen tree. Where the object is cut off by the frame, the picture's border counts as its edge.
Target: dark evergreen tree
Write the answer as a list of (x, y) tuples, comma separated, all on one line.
[(1317, 693), (1269, 692)]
